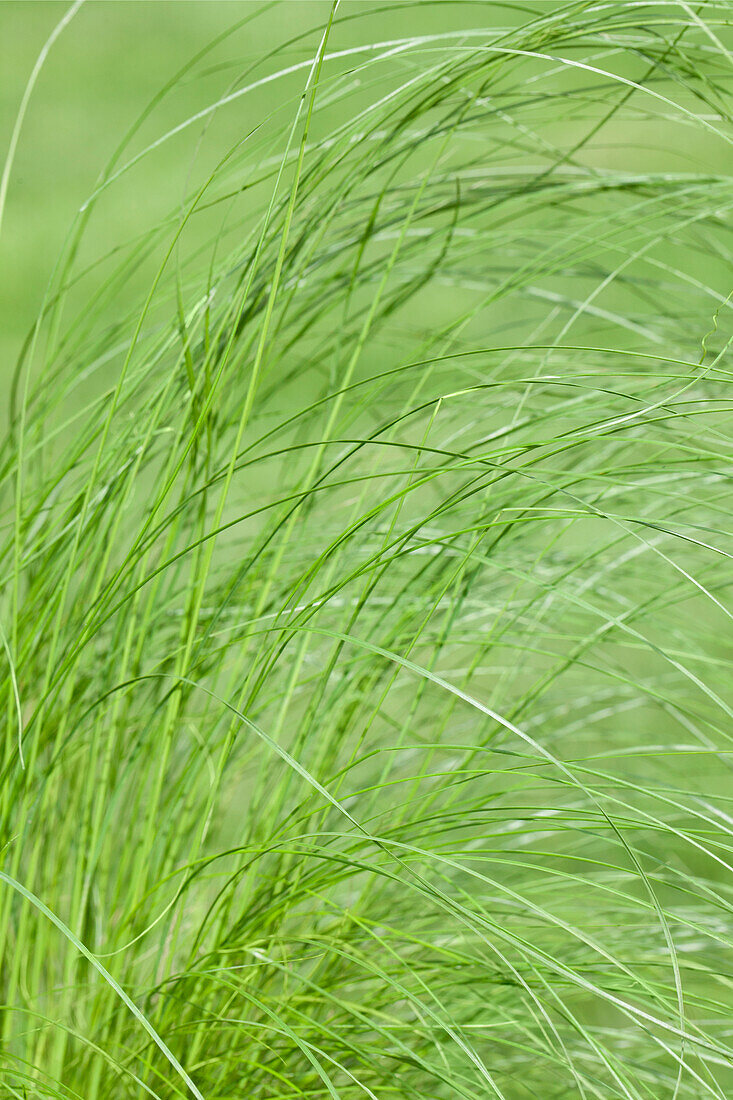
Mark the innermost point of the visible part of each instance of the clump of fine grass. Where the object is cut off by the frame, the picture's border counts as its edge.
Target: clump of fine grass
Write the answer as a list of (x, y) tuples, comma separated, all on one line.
[(365, 568)]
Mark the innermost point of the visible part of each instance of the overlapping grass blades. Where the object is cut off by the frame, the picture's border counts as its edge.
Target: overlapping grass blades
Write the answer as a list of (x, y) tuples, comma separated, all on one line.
[(365, 583)]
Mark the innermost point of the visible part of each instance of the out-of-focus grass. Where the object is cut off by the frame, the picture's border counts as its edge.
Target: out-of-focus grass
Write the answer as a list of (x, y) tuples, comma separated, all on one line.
[(98, 78), (365, 555)]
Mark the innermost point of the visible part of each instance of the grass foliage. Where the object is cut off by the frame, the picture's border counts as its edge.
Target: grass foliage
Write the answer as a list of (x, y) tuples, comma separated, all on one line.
[(365, 566)]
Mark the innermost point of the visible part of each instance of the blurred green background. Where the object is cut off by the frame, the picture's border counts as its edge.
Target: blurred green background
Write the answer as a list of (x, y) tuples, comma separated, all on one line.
[(105, 68)]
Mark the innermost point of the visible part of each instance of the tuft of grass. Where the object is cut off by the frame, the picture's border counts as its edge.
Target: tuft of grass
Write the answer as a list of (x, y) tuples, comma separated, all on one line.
[(364, 577)]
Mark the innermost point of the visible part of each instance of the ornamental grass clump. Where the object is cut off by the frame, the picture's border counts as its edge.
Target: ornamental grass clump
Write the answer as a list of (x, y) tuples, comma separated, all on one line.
[(366, 565)]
